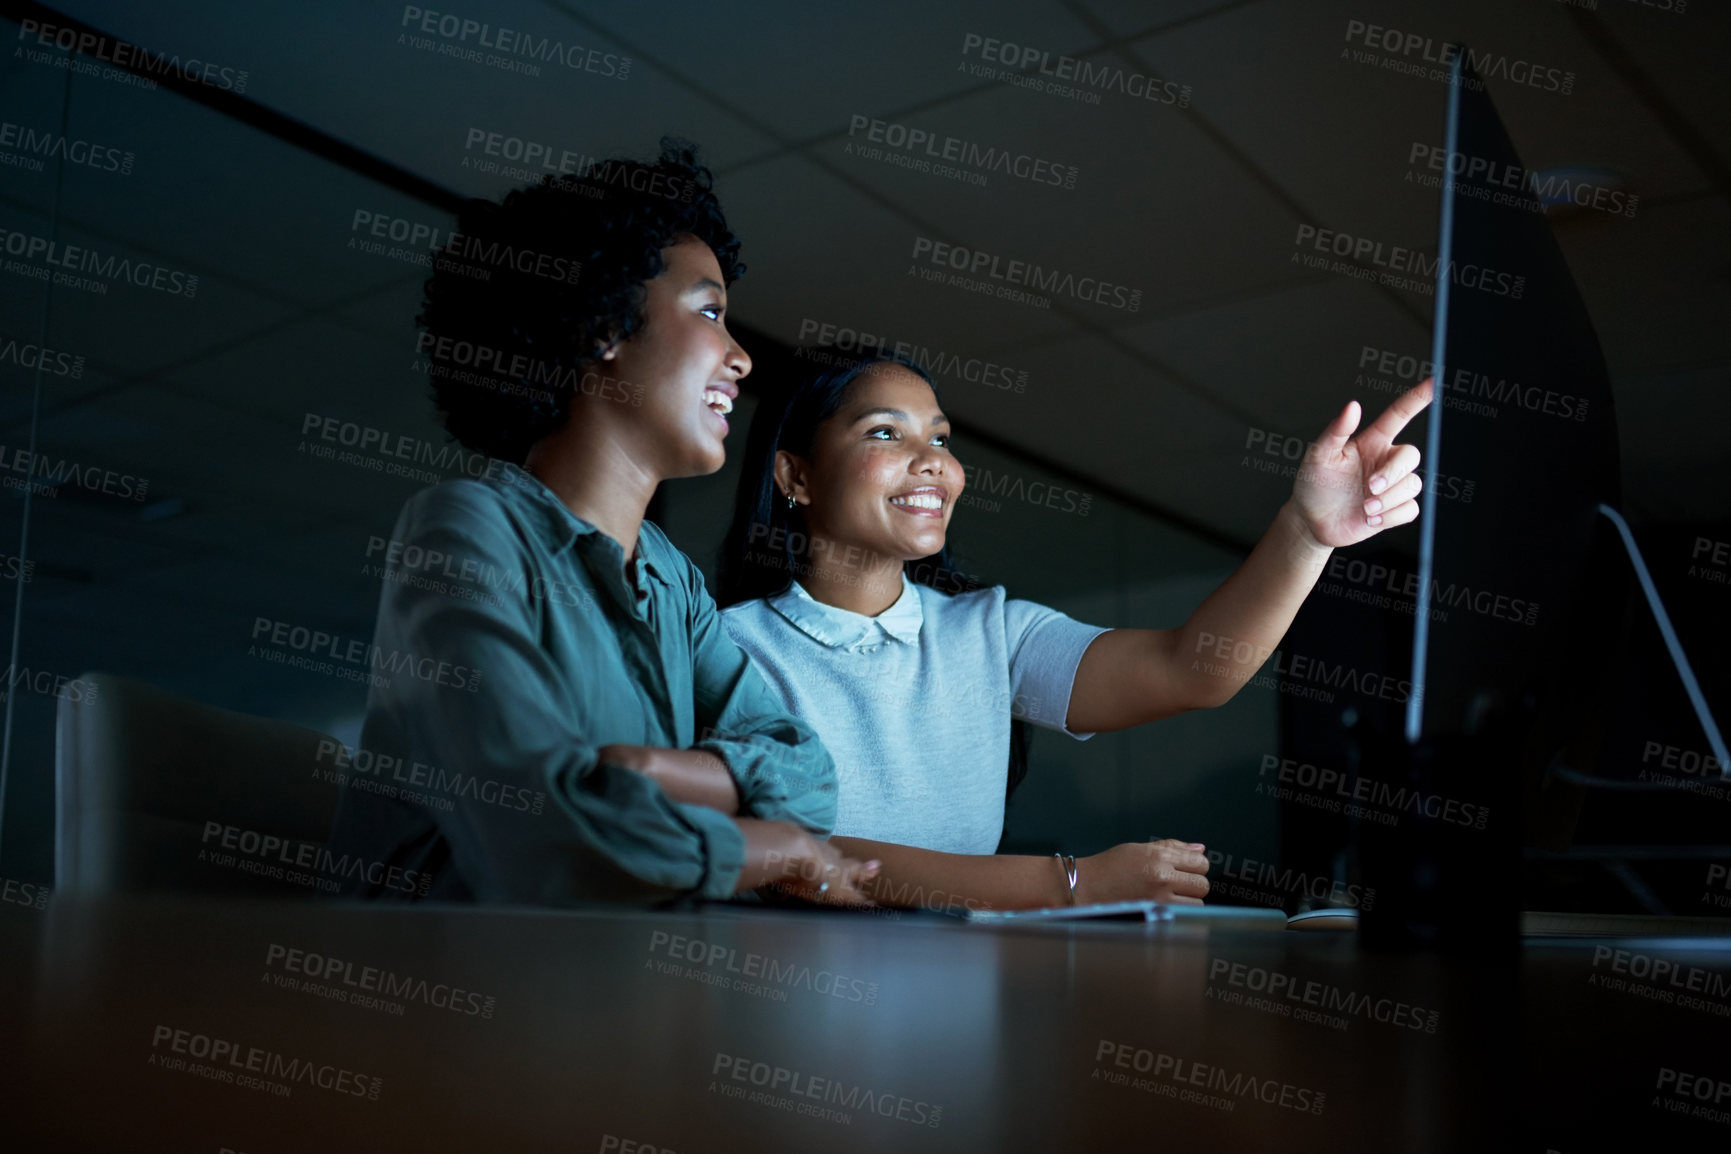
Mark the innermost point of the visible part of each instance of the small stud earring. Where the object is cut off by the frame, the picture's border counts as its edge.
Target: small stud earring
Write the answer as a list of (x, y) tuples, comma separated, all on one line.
[(791, 503)]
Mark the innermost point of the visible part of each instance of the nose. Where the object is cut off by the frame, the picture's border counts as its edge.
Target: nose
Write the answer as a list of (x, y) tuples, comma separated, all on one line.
[(930, 462), (738, 360)]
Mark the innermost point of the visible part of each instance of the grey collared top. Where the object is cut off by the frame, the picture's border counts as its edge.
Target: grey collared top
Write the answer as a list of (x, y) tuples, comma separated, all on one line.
[(916, 702), (513, 644)]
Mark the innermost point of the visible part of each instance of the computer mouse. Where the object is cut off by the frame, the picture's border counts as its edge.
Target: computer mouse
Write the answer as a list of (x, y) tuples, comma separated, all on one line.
[(1324, 920)]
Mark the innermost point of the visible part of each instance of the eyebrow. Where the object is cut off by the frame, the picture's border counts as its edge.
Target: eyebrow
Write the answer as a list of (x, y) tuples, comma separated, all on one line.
[(939, 419), (709, 282)]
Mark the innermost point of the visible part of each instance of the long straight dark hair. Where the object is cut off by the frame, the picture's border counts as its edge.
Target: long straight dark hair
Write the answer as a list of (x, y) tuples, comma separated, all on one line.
[(767, 544)]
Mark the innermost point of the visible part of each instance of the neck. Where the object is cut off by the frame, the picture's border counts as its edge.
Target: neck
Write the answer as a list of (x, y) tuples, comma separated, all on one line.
[(852, 578), (596, 477)]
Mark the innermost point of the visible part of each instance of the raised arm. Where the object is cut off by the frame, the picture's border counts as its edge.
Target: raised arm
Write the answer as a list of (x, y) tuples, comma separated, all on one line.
[(1349, 488)]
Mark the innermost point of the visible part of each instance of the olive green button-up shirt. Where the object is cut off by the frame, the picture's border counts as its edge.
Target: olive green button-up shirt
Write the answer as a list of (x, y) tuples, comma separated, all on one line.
[(513, 643)]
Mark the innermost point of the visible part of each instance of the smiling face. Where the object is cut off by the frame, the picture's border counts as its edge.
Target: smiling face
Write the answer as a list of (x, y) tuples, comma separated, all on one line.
[(682, 364), (880, 474)]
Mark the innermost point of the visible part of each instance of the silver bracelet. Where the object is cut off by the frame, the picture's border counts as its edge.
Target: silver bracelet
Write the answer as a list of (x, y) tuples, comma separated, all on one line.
[(1068, 861)]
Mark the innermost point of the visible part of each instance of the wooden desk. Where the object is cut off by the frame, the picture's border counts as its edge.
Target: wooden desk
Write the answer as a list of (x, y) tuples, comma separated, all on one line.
[(733, 1029)]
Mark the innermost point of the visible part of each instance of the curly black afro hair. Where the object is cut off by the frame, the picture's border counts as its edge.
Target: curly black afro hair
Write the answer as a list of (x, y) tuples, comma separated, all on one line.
[(530, 291)]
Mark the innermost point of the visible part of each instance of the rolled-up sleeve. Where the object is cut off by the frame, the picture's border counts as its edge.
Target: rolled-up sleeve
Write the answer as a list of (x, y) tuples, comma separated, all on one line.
[(577, 827), (783, 771)]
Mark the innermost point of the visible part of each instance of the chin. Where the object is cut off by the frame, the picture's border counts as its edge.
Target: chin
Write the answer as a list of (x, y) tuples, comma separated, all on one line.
[(709, 450), (701, 461)]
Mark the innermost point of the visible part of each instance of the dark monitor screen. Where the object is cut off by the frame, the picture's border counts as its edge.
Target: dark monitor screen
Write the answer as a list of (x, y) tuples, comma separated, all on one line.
[(1521, 443)]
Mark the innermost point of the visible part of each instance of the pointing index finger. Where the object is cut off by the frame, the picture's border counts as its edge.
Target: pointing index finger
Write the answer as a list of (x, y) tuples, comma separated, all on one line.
[(1402, 410)]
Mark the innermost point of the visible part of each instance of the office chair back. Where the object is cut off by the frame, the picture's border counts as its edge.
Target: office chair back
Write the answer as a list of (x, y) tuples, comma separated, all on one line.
[(156, 792)]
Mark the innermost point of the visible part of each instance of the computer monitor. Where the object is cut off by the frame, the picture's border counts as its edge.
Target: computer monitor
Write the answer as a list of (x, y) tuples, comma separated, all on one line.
[(1516, 568), (1514, 559), (1526, 570)]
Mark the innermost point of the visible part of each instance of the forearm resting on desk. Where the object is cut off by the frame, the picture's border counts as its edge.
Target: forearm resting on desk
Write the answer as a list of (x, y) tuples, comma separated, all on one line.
[(909, 877), (913, 878)]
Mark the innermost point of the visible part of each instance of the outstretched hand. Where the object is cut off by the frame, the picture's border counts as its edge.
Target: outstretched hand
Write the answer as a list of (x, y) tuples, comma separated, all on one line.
[(1352, 487)]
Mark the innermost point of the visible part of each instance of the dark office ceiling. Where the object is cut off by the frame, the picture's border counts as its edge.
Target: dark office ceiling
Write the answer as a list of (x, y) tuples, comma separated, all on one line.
[(1197, 207)]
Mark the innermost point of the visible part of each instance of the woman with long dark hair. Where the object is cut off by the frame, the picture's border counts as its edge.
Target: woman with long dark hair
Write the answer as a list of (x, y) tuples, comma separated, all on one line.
[(840, 587)]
